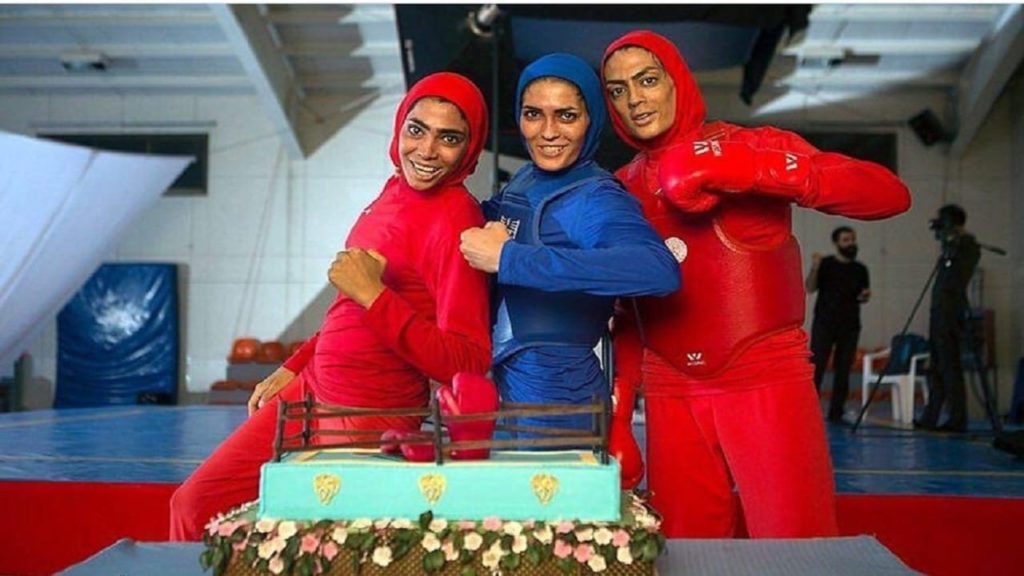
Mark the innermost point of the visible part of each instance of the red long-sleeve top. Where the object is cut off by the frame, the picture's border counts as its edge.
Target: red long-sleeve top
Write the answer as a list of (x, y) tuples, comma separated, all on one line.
[(431, 321)]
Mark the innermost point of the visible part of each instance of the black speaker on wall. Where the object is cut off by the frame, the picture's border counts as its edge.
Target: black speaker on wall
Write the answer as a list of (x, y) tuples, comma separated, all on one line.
[(929, 128)]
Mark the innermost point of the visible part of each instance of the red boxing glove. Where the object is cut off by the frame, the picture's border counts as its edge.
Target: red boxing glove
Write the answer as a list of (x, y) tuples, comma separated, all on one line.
[(469, 394), (693, 175), (621, 443), (419, 452)]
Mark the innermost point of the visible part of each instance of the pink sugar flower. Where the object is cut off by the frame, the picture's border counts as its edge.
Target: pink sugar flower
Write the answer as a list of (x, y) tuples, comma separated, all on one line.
[(564, 527), (330, 550), (227, 528), (466, 524), (492, 523), (563, 549), (620, 538), (309, 544), (583, 552)]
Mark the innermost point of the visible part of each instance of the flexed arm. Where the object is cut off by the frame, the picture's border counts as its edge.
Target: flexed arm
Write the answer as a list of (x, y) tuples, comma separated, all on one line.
[(766, 161)]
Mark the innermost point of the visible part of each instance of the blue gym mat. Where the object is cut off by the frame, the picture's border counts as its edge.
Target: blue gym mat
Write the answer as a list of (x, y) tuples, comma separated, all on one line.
[(165, 444)]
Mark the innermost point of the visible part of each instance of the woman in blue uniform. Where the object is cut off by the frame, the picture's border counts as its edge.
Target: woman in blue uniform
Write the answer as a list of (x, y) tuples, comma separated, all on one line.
[(564, 239)]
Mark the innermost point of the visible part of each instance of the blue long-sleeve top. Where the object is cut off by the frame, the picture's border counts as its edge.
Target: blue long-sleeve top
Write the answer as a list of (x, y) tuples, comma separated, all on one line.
[(596, 240)]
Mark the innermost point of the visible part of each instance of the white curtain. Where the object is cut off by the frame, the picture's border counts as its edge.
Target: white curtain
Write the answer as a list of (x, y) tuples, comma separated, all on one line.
[(63, 209)]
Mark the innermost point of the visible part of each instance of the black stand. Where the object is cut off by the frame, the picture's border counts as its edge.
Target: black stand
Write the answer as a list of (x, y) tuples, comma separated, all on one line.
[(892, 353), (976, 367)]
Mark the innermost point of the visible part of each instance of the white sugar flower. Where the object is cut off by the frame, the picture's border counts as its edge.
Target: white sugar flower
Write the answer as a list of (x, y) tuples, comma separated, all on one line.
[(360, 524), (512, 528), (276, 565), (287, 529), (266, 549), (437, 524), (339, 535), (401, 524), (623, 555), (597, 563), (491, 558), (544, 534), (585, 534), (472, 541), (603, 536), (265, 525), (382, 556), (519, 544), (430, 542)]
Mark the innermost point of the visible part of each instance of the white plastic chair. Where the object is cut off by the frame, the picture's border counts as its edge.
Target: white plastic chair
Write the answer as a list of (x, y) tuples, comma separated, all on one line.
[(903, 384)]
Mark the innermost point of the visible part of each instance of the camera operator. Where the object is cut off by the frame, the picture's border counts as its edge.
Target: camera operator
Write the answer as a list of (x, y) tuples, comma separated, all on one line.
[(949, 314)]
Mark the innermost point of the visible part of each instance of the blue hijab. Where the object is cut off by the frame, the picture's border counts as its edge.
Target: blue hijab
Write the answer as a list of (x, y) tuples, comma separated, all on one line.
[(574, 70)]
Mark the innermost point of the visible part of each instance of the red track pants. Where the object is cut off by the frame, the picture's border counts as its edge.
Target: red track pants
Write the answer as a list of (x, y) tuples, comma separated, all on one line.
[(230, 476), (756, 456)]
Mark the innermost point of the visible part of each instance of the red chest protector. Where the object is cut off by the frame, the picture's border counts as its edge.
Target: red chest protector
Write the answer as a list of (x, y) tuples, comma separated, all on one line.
[(734, 292)]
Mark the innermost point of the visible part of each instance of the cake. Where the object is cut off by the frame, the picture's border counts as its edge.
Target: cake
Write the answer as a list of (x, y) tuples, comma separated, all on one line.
[(345, 509)]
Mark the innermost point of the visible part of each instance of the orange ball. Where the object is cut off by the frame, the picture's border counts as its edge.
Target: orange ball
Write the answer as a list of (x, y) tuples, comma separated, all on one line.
[(244, 350)]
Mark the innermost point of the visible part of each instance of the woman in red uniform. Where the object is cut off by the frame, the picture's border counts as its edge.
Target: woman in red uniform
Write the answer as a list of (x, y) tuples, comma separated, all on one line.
[(409, 308), (733, 424)]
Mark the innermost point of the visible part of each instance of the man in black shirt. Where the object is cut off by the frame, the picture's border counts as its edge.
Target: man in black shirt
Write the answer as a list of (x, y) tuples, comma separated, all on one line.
[(842, 285), (959, 258)]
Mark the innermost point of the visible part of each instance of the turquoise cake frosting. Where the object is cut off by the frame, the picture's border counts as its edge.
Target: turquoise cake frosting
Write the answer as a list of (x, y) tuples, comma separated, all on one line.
[(349, 484)]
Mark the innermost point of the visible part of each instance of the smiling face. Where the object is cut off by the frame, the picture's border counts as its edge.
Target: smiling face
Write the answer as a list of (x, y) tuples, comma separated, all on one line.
[(554, 123), (640, 91), (433, 140)]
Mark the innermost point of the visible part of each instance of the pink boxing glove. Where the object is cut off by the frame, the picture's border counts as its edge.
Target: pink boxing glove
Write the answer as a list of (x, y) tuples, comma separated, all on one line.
[(411, 452), (622, 444), (469, 394), (692, 176)]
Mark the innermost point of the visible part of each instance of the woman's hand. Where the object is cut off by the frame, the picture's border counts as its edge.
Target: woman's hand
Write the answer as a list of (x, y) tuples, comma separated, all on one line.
[(269, 388), (359, 274), (481, 247)]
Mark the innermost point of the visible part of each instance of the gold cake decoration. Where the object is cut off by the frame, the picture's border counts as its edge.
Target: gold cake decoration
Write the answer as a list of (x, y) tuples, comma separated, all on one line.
[(326, 487), (544, 487), (432, 487)]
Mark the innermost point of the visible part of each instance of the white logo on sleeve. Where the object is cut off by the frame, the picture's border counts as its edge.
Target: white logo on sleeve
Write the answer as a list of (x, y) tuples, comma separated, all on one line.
[(694, 358), (677, 247), (511, 225), (703, 147), (790, 162)]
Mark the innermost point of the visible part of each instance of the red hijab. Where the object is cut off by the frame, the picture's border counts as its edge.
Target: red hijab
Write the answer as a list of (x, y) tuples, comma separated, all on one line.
[(690, 110), (461, 92)]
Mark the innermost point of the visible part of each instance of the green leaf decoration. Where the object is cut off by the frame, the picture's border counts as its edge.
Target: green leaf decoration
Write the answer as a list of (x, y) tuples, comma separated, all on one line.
[(216, 559), (469, 571), (355, 541), (510, 562), (650, 550), (566, 565), (433, 561), (369, 543), (425, 519), (304, 566), (533, 554), (490, 538), (400, 550), (249, 555), (205, 559)]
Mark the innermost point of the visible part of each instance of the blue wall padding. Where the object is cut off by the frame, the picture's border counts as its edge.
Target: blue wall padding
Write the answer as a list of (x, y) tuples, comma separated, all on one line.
[(118, 337)]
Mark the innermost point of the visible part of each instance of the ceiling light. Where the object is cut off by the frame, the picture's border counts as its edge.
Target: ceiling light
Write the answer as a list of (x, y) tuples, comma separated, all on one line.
[(84, 61)]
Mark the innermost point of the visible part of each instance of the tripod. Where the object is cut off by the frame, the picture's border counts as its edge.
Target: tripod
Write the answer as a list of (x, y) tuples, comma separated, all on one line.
[(988, 402)]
